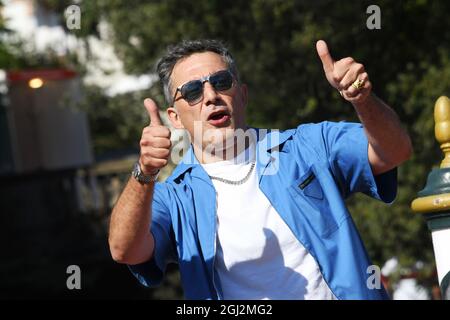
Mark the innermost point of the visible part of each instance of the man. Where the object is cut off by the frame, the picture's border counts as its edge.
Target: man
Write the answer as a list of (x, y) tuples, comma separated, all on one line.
[(262, 218)]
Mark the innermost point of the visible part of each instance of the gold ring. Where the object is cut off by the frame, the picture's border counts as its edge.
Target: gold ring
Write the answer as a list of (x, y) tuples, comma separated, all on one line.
[(358, 84)]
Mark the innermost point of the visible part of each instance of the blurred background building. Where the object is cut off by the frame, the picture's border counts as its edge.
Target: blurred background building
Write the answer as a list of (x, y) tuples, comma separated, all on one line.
[(71, 115)]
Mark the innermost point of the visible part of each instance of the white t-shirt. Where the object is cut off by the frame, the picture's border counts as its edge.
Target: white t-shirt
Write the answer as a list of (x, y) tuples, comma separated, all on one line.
[(257, 255)]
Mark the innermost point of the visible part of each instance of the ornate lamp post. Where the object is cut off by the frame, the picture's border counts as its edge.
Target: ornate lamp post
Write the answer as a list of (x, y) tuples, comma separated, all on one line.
[(434, 200)]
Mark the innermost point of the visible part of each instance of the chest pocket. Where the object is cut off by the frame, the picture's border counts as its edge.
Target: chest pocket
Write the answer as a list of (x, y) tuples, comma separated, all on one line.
[(312, 204)]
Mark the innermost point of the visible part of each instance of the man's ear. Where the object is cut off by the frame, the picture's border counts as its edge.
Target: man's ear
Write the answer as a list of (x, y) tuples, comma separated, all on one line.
[(174, 118)]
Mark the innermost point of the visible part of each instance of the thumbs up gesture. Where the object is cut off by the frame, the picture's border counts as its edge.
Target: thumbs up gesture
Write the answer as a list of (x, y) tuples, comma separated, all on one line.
[(155, 142), (346, 75)]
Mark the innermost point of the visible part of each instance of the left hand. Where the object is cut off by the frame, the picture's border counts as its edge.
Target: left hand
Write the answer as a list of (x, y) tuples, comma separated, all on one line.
[(343, 73)]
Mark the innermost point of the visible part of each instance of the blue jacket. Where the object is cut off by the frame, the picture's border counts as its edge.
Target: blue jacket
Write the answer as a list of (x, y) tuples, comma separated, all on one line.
[(306, 173)]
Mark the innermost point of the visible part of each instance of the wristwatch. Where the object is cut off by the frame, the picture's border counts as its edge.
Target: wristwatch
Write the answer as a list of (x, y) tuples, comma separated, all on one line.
[(141, 177)]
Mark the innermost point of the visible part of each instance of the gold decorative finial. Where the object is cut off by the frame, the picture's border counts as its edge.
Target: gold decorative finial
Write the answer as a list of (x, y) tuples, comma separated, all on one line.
[(442, 127), (431, 200)]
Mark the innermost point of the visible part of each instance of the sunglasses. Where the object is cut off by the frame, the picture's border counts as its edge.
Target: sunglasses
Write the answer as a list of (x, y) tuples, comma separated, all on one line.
[(192, 91)]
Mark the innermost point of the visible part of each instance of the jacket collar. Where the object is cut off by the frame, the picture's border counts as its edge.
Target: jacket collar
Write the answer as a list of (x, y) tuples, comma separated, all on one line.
[(267, 140)]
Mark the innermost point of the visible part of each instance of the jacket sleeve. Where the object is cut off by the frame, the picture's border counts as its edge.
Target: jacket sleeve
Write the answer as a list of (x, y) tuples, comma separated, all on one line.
[(151, 273)]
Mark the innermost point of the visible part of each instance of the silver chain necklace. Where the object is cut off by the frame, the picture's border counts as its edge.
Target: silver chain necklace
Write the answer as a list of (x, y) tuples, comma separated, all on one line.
[(238, 182)]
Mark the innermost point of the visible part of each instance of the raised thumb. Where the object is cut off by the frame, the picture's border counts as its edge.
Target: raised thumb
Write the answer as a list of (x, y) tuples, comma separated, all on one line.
[(153, 113)]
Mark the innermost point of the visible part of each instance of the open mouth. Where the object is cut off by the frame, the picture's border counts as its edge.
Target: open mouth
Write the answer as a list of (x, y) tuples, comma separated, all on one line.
[(218, 117)]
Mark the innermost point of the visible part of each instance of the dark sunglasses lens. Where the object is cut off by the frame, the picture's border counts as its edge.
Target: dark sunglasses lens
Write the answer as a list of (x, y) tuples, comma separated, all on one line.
[(192, 90), (221, 81)]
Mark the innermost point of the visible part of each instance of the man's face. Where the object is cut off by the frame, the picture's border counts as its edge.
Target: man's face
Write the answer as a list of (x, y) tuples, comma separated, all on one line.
[(219, 111)]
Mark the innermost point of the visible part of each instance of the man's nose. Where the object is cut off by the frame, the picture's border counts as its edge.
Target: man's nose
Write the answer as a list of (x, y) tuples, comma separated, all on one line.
[(209, 94)]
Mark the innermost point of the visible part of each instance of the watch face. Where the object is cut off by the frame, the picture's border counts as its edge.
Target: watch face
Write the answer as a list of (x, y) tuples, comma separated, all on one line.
[(136, 170), (141, 177)]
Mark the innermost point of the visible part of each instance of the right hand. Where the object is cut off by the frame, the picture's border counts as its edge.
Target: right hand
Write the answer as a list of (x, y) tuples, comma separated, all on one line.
[(155, 142)]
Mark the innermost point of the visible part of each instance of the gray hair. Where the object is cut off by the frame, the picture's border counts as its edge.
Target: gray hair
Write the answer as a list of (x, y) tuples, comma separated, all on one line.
[(183, 50)]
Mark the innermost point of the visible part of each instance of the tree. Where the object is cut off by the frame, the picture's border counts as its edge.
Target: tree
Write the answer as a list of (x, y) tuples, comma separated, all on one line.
[(7, 59)]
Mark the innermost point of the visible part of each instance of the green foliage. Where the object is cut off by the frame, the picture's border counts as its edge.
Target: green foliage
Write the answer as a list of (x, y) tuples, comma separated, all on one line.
[(6, 58), (113, 121)]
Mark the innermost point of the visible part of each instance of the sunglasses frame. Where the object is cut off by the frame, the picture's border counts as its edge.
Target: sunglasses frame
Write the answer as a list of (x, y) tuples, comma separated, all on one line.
[(203, 80)]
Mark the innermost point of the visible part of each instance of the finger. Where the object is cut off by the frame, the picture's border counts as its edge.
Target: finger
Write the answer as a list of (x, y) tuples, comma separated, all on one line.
[(341, 68), (153, 113), (156, 153), (151, 162), (353, 74), (161, 131), (325, 57), (352, 92), (161, 143), (156, 142), (364, 77)]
